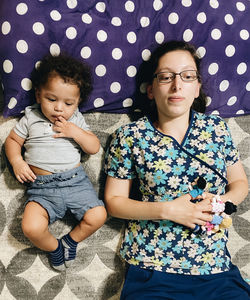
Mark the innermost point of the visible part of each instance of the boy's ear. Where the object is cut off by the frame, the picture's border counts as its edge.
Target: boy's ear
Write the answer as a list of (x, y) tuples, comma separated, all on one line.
[(150, 92), (37, 94)]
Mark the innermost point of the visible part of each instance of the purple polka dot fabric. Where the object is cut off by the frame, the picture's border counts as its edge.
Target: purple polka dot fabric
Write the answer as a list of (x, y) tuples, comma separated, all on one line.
[(115, 37)]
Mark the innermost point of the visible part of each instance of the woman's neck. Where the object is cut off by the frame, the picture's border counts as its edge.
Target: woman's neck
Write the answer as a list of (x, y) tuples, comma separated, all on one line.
[(175, 127)]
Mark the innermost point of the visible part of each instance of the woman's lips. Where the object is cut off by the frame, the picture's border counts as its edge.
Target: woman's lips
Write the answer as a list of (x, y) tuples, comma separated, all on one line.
[(175, 98)]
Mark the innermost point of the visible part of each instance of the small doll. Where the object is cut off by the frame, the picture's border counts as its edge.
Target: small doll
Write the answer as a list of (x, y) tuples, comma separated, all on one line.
[(222, 211)]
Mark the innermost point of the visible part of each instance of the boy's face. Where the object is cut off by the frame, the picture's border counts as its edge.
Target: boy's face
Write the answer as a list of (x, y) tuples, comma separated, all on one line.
[(58, 98)]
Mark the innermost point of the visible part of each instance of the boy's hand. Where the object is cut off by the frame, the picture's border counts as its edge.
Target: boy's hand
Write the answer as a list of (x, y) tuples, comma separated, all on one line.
[(23, 172), (64, 128)]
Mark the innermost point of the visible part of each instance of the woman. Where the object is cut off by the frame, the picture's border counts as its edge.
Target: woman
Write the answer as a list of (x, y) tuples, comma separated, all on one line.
[(167, 151)]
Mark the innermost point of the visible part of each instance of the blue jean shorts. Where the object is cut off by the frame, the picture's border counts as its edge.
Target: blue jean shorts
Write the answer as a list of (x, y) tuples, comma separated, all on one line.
[(59, 192)]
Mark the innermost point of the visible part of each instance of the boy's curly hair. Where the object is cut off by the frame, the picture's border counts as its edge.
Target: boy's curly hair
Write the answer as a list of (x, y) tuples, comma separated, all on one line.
[(70, 69)]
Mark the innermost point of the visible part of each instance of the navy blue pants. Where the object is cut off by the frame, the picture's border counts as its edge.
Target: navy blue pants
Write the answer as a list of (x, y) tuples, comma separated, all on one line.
[(142, 284)]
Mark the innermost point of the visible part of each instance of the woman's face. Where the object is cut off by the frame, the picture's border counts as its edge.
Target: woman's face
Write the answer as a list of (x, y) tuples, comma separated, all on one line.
[(175, 98)]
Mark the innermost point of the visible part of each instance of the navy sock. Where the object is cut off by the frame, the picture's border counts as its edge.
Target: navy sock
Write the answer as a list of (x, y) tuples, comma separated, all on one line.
[(69, 246), (57, 257)]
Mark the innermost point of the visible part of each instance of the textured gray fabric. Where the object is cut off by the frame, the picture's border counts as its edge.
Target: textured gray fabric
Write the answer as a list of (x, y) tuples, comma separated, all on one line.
[(98, 271)]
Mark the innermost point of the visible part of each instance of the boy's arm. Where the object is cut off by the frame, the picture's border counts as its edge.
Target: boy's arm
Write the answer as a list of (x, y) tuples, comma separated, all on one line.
[(86, 139), (13, 148)]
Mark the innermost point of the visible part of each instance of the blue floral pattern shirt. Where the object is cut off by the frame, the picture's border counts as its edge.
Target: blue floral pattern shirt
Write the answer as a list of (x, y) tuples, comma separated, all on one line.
[(165, 169)]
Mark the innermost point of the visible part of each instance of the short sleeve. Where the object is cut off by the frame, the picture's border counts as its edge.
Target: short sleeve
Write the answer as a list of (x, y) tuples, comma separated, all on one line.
[(119, 162), (81, 121), (21, 128), (231, 153)]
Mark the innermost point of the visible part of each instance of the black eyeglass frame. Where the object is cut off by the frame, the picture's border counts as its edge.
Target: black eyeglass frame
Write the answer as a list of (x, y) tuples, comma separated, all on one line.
[(174, 75)]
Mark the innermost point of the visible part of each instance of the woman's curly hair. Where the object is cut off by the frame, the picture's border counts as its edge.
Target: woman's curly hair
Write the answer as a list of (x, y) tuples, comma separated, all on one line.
[(70, 69)]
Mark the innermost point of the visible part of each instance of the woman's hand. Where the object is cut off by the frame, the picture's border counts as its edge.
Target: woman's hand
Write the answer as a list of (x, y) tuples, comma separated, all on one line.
[(183, 211)]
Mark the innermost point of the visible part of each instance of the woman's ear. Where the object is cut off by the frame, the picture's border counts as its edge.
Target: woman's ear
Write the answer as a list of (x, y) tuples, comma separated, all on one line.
[(150, 92)]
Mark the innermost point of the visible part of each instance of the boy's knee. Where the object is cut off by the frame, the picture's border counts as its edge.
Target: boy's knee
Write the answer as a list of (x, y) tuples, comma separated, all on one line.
[(95, 216), (31, 230)]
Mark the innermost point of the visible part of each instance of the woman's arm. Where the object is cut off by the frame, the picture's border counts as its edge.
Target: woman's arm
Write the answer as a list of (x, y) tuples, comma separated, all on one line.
[(181, 210), (237, 188)]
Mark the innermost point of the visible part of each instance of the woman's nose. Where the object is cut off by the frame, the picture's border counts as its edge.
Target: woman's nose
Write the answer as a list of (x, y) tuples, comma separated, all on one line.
[(176, 83)]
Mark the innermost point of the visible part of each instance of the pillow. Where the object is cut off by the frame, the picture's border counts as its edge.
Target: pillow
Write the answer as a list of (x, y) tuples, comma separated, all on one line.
[(115, 37)]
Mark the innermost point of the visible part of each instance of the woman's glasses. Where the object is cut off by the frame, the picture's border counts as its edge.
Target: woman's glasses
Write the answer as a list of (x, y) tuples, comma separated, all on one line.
[(166, 77)]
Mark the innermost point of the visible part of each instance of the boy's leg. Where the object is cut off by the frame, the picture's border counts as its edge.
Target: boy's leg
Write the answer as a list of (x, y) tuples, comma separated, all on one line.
[(35, 228), (93, 219)]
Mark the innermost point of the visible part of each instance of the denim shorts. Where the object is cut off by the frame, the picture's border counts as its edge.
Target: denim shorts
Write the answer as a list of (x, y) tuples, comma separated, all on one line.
[(59, 192)]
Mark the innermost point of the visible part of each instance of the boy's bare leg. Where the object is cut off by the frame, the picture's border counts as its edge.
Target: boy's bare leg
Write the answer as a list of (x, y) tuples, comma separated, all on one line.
[(93, 220), (35, 228)]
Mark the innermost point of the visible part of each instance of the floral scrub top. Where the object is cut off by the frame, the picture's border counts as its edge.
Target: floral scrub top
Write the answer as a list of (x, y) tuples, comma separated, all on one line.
[(165, 169)]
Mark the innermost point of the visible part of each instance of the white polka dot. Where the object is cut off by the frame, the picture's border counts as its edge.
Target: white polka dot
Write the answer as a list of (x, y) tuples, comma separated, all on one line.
[(7, 66), (229, 19), (54, 49), (100, 70), (117, 53), (143, 88), (55, 15), (157, 5), (215, 112), (224, 85), (131, 71), (214, 3), (208, 101), (216, 34), (71, 33), (71, 3), (241, 69), (187, 35), (131, 37), (213, 68), (127, 102), (38, 28), (116, 21), (248, 86), (26, 84), (86, 18), (98, 102), (230, 50), (37, 64), (202, 17), (173, 18), (129, 6), (201, 51), (186, 3), (159, 37), (144, 21), (6, 27), (244, 34), (22, 46), (240, 6), (231, 101), (22, 8), (12, 103), (100, 6), (240, 112), (115, 87), (85, 52), (146, 54), (102, 35)]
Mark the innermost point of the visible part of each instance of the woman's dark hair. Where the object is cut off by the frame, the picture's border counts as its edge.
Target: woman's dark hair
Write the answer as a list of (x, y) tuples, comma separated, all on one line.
[(70, 69), (148, 68)]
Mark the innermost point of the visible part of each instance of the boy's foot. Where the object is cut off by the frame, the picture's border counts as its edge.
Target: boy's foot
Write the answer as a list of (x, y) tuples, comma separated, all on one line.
[(56, 258), (69, 246)]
